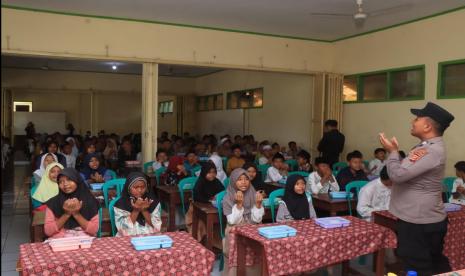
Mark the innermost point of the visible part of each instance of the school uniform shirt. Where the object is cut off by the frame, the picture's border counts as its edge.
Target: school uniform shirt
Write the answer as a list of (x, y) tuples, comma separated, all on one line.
[(315, 186), (379, 166), (461, 199), (273, 175), (284, 214), (306, 168), (374, 196), (126, 227), (70, 160), (345, 176), (157, 165), (262, 160), (237, 216)]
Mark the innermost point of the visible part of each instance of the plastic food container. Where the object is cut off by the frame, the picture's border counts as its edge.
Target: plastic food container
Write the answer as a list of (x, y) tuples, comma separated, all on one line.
[(340, 195), (152, 242), (451, 207), (70, 243), (96, 186), (276, 232), (332, 222)]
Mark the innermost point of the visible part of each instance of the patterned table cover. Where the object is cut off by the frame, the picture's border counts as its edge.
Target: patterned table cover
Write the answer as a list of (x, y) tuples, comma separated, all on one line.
[(314, 246), (116, 256), (454, 242)]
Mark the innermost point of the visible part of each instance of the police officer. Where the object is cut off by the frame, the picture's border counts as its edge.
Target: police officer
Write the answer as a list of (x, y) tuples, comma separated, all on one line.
[(416, 198)]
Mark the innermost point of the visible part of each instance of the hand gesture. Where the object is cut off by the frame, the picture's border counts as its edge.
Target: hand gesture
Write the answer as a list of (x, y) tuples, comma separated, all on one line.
[(389, 145), (239, 199), (258, 199), (68, 206)]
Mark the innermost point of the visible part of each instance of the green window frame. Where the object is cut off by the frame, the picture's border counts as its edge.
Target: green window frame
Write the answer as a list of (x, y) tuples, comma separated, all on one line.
[(441, 82), (252, 95), (216, 99), (165, 107), (388, 97)]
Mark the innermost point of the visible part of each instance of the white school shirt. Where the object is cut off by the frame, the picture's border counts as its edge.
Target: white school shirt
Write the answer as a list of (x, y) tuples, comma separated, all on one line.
[(156, 165), (458, 183), (273, 175), (70, 160), (379, 166), (262, 160), (315, 186), (374, 196), (237, 215)]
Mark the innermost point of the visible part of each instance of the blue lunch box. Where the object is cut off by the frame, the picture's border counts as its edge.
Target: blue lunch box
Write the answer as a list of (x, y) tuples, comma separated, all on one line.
[(276, 232), (152, 242)]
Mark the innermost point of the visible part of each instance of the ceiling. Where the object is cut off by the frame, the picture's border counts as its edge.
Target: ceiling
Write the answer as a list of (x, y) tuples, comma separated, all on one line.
[(101, 66), (292, 18)]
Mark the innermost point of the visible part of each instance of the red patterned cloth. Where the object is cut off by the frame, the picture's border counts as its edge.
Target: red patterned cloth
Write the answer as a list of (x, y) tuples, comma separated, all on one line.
[(116, 256), (454, 242), (314, 246)]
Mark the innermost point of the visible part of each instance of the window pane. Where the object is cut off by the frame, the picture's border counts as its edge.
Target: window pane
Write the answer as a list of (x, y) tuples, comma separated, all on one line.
[(219, 102), (407, 84), (245, 99), (350, 89), (453, 77), (170, 106), (210, 102), (258, 98), (374, 87), (233, 100)]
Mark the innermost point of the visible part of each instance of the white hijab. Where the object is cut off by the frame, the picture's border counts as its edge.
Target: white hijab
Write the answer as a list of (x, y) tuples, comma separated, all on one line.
[(75, 151), (220, 174), (41, 170)]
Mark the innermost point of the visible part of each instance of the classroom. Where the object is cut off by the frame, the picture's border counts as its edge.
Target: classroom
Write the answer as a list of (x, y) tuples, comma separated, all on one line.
[(233, 137)]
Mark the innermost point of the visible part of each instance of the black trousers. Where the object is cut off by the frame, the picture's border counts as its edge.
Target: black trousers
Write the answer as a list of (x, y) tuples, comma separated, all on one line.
[(420, 247)]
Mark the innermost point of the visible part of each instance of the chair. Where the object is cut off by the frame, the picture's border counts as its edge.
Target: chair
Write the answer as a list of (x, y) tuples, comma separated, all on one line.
[(117, 183), (357, 185), (147, 165), (366, 164), (35, 203), (100, 219), (339, 165), (187, 183), (158, 173), (301, 173), (111, 212), (226, 182), (263, 170), (195, 170), (219, 204), (448, 183), (271, 199), (112, 173), (225, 161), (292, 164)]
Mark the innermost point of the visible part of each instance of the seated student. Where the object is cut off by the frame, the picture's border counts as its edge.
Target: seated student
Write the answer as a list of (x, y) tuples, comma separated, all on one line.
[(74, 211), (303, 161), (45, 160), (191, 161), (278, 169), (89, 148), (161, 160), (235, 161), (241, 205), (93, 171), (220, 174), (377, 164), (266, 156), (353, 172), (48, 186), (255, 176), (110, 153), (293, 150), (74, 149), (175, 172), (70, 158), (375, 196), (275, 148), (52, 147), (126, 153), (295, 205), (458, 190), (138, 211), (322, 181)]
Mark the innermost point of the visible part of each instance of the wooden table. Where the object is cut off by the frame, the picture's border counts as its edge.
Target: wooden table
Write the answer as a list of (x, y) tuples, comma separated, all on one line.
[(325, 203), (170, 196)]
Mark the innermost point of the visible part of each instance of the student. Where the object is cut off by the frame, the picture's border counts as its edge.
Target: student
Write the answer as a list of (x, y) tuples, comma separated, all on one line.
[(161, 160), (241, 205), (224, 150), (303, 161), (48, 186), (191, 162), (354, 172), (293, 150), (89, 148), (175, 171), (138, 211), (52, 147), (332, 143), (255, 176), (266, 156), (126, 153), (278, 170), (110, 153), (322, 181), (235, 161), (458, 190), (275, 148), (45, 160), (377, 164), (74, 211), (74, 148), (375, 195), (93, 172), (295, 204), (68, 153), (220, 174)]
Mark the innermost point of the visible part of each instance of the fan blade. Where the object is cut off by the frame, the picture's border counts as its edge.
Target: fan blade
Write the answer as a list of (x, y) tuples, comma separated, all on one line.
[(390, 10), (331, 14)]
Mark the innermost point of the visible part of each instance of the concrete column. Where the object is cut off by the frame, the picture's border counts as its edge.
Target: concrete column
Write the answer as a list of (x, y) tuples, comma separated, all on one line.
[(149, 110)]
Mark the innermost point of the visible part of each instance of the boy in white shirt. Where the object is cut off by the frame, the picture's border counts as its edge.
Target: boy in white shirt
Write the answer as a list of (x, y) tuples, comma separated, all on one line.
[(375, 196), (376, 165), (322, 181), (161, 160), (278, 169), (267, 154), (67, 150), (458, 190)]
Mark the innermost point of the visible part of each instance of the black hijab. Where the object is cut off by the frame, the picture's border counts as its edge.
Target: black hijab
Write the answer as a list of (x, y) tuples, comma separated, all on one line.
[(204, 189), (90, 205), (257, 182), (124, 203), (296, 204)]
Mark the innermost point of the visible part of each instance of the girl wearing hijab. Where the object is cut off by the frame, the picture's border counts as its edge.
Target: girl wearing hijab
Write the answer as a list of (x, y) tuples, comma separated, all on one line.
[(110, 153), (89, 147), (175, 171), (295, 204), (220, 174), (48, 186), (74, 211), (138, 211), (75, 150), (255, 176), (45, 160), (241, 205), (93, 172)]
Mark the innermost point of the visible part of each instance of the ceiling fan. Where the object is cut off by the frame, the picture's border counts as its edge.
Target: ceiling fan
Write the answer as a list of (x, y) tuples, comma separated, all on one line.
[(360, 15)]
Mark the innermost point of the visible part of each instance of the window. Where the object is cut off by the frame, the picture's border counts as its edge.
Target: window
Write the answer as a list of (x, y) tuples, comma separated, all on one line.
[(250, 98), (210, 102), (451, 79), (388, 85), (22, 106), (165, 107)]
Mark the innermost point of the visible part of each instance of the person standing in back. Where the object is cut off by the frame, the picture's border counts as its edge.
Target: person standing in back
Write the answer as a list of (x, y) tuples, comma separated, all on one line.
[(332, 143)]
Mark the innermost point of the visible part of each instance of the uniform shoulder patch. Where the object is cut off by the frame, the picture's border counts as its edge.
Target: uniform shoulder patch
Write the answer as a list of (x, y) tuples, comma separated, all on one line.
[(417, 154)]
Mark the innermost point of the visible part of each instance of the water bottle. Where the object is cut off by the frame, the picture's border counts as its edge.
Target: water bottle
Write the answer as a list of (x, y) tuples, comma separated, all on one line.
[(411, 273)]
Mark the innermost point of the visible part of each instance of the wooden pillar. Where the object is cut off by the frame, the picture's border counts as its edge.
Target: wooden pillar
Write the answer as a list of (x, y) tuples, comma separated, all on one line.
[(149, 110)]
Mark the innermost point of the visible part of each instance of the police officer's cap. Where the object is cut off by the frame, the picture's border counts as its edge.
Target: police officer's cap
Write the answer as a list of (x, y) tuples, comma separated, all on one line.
[(435, 112)]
